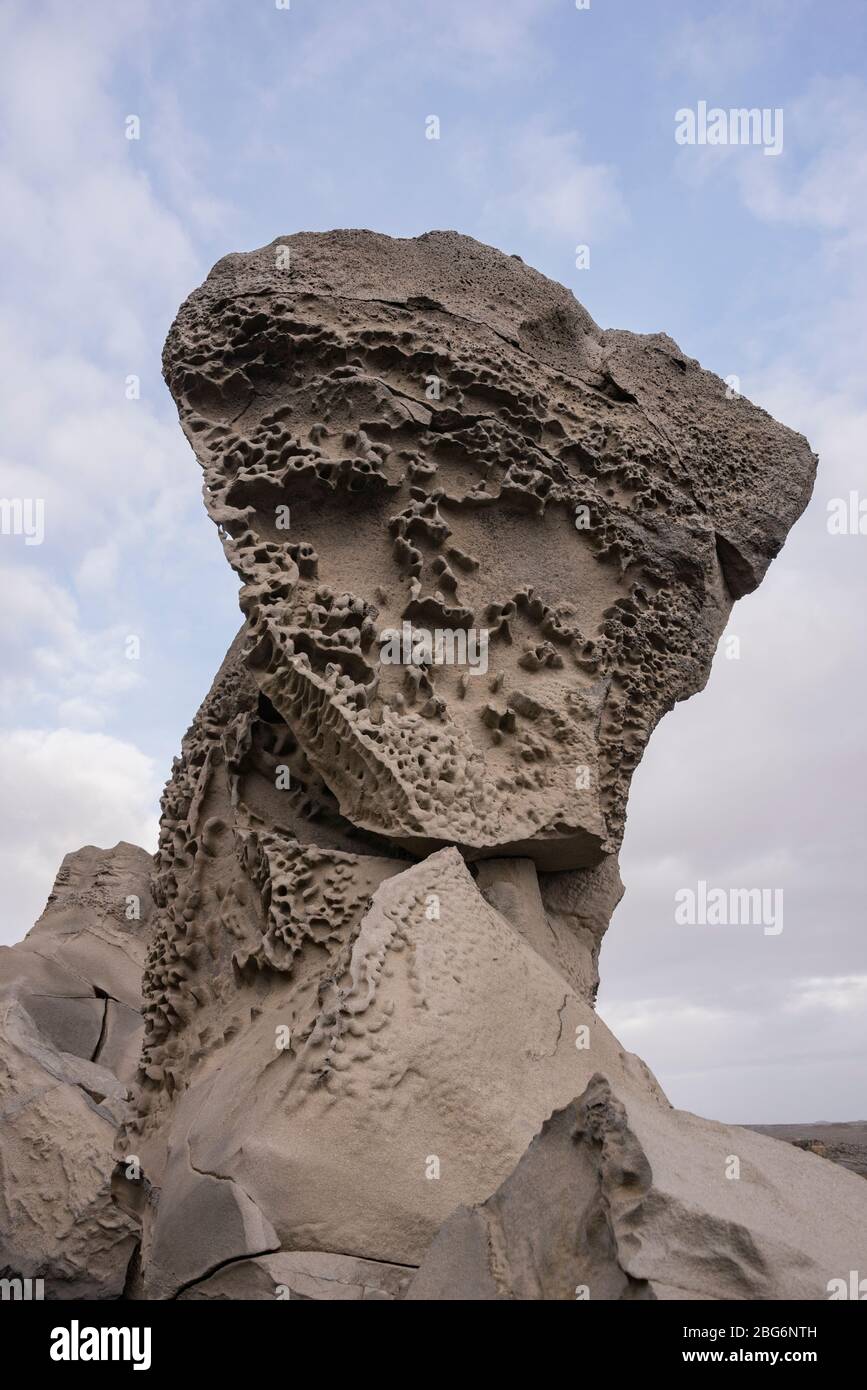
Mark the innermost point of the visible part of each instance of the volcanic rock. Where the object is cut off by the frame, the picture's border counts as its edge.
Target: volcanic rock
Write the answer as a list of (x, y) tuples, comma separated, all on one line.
[(617, 1200), (70, 1037), (484, 546)]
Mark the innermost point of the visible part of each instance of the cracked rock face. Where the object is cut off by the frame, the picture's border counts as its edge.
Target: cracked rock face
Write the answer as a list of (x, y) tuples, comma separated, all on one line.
[(386, 863), (484, 546), (70, 1037)]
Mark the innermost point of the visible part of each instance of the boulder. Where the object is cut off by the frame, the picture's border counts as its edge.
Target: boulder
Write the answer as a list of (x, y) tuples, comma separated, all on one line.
[(70, 1035)]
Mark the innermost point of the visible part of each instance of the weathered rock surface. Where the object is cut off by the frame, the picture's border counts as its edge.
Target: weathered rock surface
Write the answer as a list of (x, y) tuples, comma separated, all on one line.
[(618, 1200), (426, 1040), (70, 1038), (306, 1275), (342, 1045), (590, 500), (484, 546)]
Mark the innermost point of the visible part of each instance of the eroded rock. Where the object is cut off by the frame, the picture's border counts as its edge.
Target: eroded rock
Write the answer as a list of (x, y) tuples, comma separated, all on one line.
[(405, 438), (305, 1275), (484, 545), (617, 1200), (70, 1037), (590, 501)]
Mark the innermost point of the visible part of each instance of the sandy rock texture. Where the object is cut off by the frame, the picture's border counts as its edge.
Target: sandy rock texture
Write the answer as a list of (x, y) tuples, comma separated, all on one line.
[(484, 546), (304, 1275), (428, 432), (70, 1037), (383, 881), (617, 1200)]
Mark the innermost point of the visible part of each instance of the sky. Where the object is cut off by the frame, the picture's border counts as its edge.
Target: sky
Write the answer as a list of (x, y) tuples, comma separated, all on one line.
[(557, 129)]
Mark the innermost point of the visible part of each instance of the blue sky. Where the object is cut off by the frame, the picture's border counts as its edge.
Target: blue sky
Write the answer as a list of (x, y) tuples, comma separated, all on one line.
[(556, 129)]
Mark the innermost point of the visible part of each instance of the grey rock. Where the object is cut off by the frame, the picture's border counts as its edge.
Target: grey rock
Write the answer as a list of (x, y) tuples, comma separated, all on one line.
[(61, 1100), (346, 1050), (305, 1275), (617, 1200)]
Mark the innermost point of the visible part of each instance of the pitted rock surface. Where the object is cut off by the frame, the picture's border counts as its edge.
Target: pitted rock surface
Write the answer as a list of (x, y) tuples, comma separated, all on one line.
[(428, 435), (407, 432), (383, 880)]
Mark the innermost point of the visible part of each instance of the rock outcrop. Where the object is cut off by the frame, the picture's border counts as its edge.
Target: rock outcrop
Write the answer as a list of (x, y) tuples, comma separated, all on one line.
[(406, 437), (845, 1144), (70, 1038), (619, 1200), (484, 546), (306, 1275)]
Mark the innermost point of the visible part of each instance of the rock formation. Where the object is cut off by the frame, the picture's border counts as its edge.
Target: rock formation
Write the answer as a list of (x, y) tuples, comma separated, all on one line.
[(430, 433), (623, 1200), (484, 546), (70, 1038), (845, 1143)]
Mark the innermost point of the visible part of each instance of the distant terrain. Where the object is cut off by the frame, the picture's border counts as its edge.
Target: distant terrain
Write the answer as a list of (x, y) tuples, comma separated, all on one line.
[(842, 1143)]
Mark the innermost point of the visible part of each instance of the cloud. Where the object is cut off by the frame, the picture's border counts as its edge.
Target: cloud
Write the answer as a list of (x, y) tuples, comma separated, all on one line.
[(101, 260), (735, 1059), (475, 44), (840, 993), (102, 463), (710, 49), (758, 781), (723, 45), (62, 789), (56, 668), (81, 218), (824, 185), (555, 191), (502, 36)]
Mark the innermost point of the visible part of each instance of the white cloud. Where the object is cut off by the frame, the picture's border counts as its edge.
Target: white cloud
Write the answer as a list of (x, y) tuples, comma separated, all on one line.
[(475, 43), (555, 190), (712, 49), (759, 781), (64, 124), (101, 462), (64, 789), (634, 1022), (488, 30), (824, 185), (763, 1055), (101, 263), (841, 993), (98, 568), (56, 667)]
